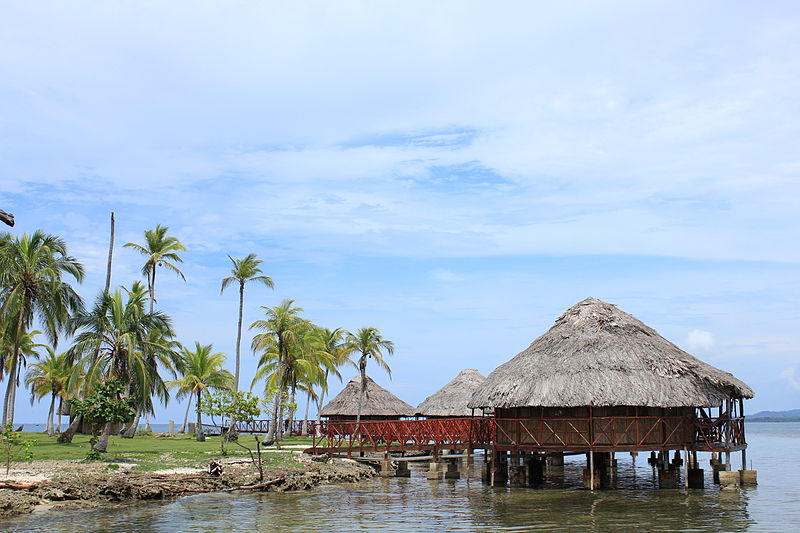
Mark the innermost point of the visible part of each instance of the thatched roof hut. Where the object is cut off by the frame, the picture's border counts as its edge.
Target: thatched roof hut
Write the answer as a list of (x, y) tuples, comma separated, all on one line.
[(379, 403), (598, 355), (452, 399)]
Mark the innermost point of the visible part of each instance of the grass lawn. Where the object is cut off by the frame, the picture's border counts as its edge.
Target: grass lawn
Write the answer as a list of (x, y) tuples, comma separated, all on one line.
[(152, 452)]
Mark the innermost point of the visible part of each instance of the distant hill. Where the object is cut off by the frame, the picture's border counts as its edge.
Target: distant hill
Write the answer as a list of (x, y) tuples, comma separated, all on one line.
[(792, 415)]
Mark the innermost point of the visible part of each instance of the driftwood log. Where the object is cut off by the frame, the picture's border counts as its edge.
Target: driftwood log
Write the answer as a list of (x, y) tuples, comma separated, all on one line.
[(8, 218)]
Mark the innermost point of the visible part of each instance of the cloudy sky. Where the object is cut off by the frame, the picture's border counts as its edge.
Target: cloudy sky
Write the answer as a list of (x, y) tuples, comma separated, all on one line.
[(454, 173)]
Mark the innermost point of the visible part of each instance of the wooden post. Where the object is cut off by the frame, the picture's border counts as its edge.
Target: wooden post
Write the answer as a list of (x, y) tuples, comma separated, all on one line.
[(591, 470)]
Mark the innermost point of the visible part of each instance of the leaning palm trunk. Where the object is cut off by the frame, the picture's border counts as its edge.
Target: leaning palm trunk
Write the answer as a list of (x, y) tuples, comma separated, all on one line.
[(304, 430), (186, 416), (66, 437), (60, 407), (273, 429), (102, 444), (11, 390), (130, 430), (50, 429)]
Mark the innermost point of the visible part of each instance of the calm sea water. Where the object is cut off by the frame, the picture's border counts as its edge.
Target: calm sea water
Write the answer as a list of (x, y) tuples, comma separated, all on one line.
[(416, 504)]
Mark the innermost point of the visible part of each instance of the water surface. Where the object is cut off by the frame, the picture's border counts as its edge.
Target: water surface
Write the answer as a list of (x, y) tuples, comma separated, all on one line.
[(417, 504)]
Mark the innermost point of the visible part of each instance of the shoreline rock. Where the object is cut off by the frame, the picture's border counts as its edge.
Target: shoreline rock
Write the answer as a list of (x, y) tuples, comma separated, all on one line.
[(23, 496)]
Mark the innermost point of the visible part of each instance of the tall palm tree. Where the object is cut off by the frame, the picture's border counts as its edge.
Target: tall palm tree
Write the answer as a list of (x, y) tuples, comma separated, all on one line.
[(243, 270), (49, 376), (369, 343), (116, 340), (160, 250), (301, 367), (32, 271), (335, 353), (201, 370), (281, 329)]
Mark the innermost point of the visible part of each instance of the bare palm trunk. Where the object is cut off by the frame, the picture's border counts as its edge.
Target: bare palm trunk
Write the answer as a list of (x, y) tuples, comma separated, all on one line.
[(291, 410), (50, 429), (186, 416), (66, 437), (199, 429), (110, 254), (130, 430), (304, 431), (147, 425), (239, 336), (273, 430), (102, 444), (60, 407), (362, 366), (11, 389), (152, 289)]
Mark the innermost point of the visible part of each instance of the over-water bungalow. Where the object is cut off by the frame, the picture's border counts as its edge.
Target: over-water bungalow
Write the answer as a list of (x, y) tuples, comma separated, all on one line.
[(600, 381)]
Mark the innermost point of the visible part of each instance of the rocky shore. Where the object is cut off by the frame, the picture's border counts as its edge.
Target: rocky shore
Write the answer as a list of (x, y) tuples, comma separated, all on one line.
[(45, 484)]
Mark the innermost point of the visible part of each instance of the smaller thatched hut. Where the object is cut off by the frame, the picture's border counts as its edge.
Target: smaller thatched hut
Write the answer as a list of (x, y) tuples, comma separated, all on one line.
[(451, 400), (378, 403)]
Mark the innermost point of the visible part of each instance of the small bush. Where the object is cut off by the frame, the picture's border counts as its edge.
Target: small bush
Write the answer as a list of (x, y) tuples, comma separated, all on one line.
[(93, 456)]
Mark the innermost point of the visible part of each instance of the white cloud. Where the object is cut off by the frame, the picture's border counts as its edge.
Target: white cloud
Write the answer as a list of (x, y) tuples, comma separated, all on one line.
[(446, 275), (790, 376), (699, 340)]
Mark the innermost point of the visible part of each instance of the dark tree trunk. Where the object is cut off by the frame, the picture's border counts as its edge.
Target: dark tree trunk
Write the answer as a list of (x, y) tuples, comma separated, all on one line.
[(199, 428), (7, 218)]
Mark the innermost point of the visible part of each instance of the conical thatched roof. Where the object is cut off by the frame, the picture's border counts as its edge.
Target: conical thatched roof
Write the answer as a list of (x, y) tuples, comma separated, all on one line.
[(452, 399), (377, 401), (597, 355)]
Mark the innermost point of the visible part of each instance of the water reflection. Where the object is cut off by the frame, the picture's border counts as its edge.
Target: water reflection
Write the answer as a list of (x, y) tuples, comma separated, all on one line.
[(415, 504)]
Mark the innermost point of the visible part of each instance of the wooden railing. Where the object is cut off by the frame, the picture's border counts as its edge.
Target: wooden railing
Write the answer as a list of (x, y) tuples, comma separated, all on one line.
[(536, 434)]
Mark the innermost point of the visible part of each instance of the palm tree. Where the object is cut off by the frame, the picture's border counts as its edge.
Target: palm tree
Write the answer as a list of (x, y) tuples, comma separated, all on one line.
[(32, 268), (280, 330), (243, 270), (369, 343), (334, 352), (201, 370), (49, 376), (299, 368), (160, 250), (116, 340)]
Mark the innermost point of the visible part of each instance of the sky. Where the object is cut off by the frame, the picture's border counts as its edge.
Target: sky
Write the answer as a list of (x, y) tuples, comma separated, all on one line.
[(456, 174)]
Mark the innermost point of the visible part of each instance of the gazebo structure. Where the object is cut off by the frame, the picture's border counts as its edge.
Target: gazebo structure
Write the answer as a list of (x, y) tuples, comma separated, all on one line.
[(451, 400), (378, 403), (600, 381)]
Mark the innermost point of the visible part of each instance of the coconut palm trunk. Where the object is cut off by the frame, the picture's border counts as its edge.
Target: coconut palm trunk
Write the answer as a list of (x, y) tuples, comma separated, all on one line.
[(362, 367), (60, 407), (49, 428), (69, 433), (102, 444), (199, 429), (186, 415), (11, 389), (304, 430), (239, 336), (130, 430)]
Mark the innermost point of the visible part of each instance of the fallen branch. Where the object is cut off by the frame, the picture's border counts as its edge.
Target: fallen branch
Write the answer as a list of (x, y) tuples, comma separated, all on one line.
[(19, 486), (7, 218), (258, 485)]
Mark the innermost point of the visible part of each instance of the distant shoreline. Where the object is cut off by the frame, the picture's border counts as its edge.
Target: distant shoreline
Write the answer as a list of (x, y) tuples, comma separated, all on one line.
[(774, 419)]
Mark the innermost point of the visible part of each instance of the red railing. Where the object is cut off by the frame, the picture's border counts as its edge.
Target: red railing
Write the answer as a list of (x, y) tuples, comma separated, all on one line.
[(262, 426), (537, 434), (402, 435)]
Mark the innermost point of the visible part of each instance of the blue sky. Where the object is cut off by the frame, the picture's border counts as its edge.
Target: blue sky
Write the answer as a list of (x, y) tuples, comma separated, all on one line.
[(454, 173)]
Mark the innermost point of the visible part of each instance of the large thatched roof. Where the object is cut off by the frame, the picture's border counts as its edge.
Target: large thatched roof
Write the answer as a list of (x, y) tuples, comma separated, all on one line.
[(377, 401), (597, 355), (451, 400)]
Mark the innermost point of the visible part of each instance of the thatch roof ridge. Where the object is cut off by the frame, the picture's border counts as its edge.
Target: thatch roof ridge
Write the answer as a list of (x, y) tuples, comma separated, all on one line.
[(595, 354), (377, 401), (452, 399)]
